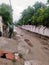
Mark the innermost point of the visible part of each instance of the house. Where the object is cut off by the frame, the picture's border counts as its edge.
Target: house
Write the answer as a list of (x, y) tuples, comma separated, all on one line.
[(1, 26)]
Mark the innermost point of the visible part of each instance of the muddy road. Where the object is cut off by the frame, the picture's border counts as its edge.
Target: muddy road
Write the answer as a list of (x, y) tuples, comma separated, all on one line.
[(39, 47)]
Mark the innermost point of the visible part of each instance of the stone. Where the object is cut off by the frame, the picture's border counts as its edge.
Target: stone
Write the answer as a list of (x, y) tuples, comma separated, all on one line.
[(10, 56)]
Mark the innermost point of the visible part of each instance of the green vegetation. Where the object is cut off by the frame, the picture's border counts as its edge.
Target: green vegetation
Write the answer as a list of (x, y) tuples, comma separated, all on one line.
[(6, 13), (14, 60), (48, 1), (20, 55), (36, 15)]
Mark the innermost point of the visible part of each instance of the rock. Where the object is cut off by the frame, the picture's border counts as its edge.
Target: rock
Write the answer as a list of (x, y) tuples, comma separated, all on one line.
[(10, 56)]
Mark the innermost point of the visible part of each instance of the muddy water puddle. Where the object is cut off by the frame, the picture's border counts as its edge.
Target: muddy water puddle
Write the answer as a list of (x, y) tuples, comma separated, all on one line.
[(45, 47), (28, 42), (44, 43)]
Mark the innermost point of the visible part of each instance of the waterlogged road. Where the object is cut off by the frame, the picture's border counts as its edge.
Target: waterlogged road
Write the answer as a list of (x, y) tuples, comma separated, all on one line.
[(39, 47)]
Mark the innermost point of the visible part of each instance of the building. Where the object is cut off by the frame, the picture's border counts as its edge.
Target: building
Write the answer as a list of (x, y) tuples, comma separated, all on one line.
[(1, 26)]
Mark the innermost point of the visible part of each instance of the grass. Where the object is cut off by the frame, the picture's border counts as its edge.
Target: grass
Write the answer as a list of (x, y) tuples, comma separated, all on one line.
[(14, 60), (20, 55)]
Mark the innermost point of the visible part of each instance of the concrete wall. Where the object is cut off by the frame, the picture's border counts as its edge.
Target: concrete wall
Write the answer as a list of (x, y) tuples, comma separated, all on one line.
[(40, 29), (1, 24)]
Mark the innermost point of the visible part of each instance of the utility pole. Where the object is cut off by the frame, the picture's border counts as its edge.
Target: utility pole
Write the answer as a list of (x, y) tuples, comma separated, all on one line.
[(10, 3)]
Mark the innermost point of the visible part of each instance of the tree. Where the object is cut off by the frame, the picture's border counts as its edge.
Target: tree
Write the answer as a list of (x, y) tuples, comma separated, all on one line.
[(38, 5), (6, 13), (46, 17), (48, 1), (39, 15), (27, 14)]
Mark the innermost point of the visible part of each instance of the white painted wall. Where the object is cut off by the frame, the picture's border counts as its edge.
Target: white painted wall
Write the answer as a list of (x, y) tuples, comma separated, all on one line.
[(1, 25), (39, 29)]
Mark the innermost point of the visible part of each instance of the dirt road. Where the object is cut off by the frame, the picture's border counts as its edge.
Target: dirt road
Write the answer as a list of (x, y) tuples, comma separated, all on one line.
[(39, 47), (35, 51)]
